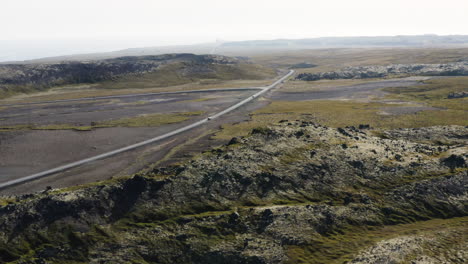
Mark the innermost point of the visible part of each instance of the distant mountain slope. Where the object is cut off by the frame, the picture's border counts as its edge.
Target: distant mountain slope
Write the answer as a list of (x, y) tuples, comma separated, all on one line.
[(261, 46), (383, 41), (205, 48), (161, 70)]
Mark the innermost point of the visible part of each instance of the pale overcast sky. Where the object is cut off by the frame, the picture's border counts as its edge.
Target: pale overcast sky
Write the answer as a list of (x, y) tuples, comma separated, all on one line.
[(32, 28)]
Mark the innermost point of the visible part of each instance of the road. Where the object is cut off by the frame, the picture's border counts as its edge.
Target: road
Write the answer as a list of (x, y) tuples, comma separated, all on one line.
[(146, 142)]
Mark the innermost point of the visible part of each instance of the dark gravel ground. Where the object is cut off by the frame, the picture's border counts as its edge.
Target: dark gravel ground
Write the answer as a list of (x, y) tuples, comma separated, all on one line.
[(86, 112), (30, 151)]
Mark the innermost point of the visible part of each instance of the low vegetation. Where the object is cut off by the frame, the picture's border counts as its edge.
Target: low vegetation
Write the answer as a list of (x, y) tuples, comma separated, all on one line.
[(320, 181), (182, 73), (128, 73), (298, 192), (335, 59), (435, 93), (82, 91), (344, 113), (295, 86), (147, 120), (342, 247)]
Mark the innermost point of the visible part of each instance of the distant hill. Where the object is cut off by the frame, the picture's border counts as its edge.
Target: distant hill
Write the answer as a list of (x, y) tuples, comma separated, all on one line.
[(346, 42), (154, 71), (236, 48)]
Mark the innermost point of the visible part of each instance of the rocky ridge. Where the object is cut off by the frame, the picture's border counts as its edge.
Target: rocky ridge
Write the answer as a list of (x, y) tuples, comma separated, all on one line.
[(283, 194), (25, 77), (362, 72)]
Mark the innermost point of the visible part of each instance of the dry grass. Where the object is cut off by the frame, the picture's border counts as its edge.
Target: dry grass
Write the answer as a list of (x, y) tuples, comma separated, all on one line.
[(244, 128), (148, 120), (339, 248), (61, 93), (151, 120), (197, 100), (170, 75), (434, 93), (166, 79), (334, 59), (341, 114), (6, 201), (294, 86), (348, 113)]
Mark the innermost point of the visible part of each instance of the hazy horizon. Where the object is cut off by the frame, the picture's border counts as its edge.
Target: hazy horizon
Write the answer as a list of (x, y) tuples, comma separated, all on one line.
[(37, 29)]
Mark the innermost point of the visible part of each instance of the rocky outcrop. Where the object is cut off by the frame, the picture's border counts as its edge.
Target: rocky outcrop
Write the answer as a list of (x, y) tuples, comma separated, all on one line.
[(362, 72), (441, 135), (426, 249), (33, 77), (278, 195), (457, 95)]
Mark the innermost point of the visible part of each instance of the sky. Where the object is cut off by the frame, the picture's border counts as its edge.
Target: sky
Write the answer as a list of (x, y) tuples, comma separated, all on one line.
[(33, 28)]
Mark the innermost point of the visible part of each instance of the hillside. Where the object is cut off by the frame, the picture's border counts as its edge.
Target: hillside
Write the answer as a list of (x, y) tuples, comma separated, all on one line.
[(296, 192), (348, 42), (274, 45), (142, 72)]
